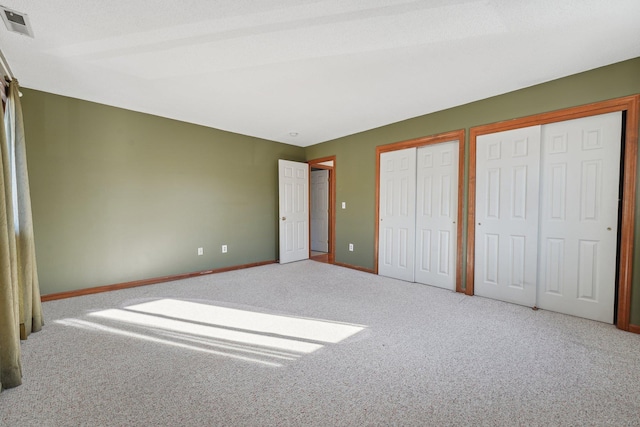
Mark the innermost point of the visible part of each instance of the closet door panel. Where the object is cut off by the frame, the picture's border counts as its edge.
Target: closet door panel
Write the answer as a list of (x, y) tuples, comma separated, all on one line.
[(579, 216), (507, 193), (436, 212), (397, 214)]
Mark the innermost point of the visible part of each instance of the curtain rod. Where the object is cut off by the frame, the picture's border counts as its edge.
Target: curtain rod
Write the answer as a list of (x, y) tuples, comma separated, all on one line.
[(6, 70)]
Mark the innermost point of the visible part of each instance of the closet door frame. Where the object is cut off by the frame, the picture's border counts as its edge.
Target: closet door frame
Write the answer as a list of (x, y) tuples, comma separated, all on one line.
[(630, 105), (458, 135)]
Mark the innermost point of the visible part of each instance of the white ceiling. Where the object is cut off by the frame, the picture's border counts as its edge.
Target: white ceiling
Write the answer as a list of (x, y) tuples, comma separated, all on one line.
[(323, 69)]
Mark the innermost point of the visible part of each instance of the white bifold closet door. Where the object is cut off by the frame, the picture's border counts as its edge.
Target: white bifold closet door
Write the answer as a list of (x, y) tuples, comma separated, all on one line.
[(507, 191), (547, 215), (579, 216), (397, 214), (418, 211), (436, 213)]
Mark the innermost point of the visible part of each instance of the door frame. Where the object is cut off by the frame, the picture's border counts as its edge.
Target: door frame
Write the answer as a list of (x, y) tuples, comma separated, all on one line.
[(317, 163), (630, 105), (458, 135)]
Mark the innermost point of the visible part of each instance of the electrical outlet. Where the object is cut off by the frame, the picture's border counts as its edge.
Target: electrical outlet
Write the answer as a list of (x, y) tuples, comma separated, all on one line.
[(224, 249), (200, 251), (350, 247), (344, 205)]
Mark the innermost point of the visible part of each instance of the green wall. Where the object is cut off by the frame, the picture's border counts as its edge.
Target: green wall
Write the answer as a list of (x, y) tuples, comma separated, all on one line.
[(355, 154), (120, 196)]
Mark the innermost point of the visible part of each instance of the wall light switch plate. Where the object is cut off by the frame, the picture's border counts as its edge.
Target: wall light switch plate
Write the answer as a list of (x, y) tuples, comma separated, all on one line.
[(344, 205)]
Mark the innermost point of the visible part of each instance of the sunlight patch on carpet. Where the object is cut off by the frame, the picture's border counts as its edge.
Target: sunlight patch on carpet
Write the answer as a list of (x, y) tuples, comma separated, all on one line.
[(241, 334)]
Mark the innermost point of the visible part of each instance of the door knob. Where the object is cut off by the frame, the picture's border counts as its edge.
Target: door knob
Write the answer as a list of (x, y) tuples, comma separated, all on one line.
[(284, 218), (609, 228)]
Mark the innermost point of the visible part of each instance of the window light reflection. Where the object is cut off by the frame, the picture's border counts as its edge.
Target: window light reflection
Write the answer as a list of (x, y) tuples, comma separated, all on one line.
[(83, 324), (295, 327), (206, 331), (239, 334)]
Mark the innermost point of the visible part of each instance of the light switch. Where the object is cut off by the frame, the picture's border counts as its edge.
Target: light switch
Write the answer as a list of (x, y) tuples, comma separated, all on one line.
[(344, 205)]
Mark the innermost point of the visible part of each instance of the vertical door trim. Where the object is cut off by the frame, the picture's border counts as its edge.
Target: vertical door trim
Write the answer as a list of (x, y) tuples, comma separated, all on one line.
[(317, 163), (421, 142), (630, 105)]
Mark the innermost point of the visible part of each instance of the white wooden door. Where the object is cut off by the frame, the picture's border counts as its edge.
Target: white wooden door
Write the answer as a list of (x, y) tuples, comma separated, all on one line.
[(293, 184), (320, 210), (506, 229), (397, 214), (436, 213), (579, 216)]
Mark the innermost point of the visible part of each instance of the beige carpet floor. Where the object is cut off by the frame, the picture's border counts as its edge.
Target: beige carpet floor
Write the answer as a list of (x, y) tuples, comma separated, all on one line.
[(311, 344)]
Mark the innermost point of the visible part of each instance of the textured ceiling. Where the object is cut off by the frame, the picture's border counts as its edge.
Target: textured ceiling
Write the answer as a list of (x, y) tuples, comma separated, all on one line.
[(321, 69)]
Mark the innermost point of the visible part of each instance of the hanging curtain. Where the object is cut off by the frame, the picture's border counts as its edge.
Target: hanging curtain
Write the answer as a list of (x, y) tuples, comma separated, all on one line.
[(20, 307), (10, 368), (30, 305)]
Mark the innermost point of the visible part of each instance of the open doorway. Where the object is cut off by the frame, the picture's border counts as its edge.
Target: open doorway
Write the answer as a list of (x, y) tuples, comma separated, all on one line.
[(322, 201)]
